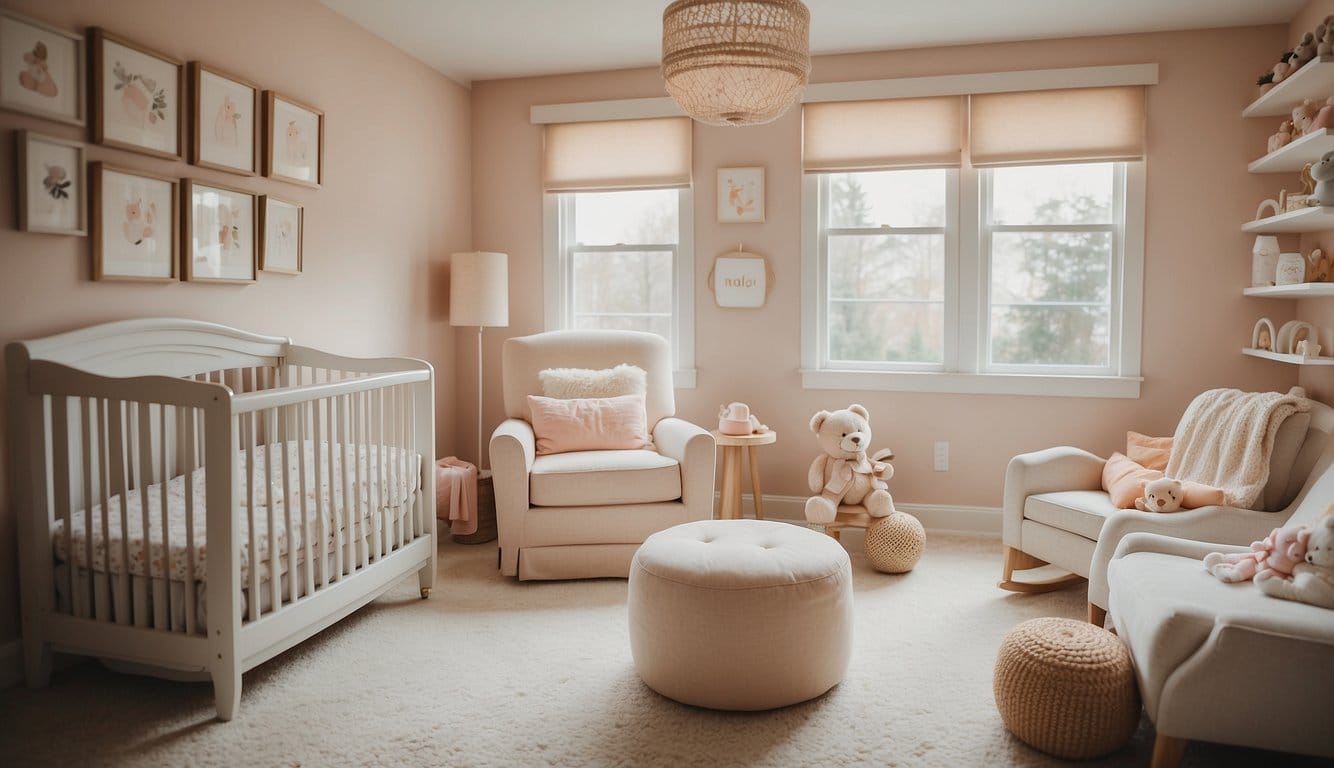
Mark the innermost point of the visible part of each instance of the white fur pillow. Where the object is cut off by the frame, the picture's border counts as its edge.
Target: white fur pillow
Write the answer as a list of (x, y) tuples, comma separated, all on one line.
[(570, 383)]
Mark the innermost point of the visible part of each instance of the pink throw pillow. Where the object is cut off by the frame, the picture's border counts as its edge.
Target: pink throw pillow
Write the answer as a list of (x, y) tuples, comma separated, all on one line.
[(1149, 452), (1124, 480), (589, 424)]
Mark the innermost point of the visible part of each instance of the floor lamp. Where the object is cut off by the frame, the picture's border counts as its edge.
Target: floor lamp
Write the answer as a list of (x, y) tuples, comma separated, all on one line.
[(479, 296)]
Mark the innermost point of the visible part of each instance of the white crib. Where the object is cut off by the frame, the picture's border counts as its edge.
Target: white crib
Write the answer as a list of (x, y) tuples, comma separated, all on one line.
[(194, 498)]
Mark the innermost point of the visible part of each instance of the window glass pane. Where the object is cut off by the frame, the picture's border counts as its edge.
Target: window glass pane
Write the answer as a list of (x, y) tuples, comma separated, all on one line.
[(887, 331), (914, 198), (1030, 267), (1050, 335), (639, 217), (624, 289), (1052, 194), (887, 267)]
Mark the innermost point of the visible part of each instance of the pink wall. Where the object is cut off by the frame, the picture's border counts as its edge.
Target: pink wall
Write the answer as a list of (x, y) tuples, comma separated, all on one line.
[(1197, 259), (377, 235), (1318, 380)]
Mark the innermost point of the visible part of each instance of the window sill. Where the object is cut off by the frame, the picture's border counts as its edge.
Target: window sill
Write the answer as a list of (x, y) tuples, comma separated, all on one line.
[(975, 383), (683, 378)]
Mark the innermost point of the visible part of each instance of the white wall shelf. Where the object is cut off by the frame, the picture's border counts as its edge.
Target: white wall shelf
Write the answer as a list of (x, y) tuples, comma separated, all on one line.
[(1313, 81), (1298, 291), (1265, 354), (1310, 219), (1294, 155)]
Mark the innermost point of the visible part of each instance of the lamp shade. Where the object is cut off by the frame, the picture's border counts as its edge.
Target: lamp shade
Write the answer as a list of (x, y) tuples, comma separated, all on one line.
[(479, 289)]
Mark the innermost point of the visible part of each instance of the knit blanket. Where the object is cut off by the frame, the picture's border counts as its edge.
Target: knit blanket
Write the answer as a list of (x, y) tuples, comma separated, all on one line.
[(1226, 437)]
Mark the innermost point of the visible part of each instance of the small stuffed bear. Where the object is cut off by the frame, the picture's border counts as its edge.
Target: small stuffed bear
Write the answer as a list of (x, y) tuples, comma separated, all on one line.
[(1304, 51), (842, 473), (1302, 116), (1277, 553), (1323, 173), (1312, 579), (1161, 495)]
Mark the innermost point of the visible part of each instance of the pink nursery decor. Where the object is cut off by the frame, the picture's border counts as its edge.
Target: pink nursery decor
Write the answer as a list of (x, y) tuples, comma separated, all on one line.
[(137, 96)]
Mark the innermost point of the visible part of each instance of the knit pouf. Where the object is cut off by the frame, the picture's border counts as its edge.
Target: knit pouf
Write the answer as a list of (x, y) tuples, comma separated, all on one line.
[(894, 543), (1067, 688)]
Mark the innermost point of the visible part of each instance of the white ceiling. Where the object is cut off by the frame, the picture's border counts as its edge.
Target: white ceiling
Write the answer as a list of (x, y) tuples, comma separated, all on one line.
[(489, 39)]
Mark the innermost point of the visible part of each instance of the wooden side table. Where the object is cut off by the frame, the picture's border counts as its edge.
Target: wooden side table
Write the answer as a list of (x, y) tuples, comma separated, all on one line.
[(729, 507)]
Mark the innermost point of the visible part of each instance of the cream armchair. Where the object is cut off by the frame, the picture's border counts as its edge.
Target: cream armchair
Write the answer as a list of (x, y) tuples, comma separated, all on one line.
[(1222, 662), (583, 514), (1056, 513)]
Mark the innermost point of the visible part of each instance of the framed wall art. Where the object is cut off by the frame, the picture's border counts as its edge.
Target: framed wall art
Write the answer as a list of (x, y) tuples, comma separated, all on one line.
[(137, 96), (134, 224), (740, 195), (53, 196), (220, 233), (41, 69), (280, 223), (741, 279), (224, 133), (294, 141)]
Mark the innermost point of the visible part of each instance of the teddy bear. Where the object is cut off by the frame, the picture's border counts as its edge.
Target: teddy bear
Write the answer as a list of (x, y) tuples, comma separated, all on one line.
[(1302, 116), (843, 473), (1279, 552), (1304, 51), (1319, 267), (1162, 495), (1283, 136), (1323, 173), (1312, 579)]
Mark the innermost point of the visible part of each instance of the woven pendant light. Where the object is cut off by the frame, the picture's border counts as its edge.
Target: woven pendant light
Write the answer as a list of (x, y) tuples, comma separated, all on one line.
[(735, 62)]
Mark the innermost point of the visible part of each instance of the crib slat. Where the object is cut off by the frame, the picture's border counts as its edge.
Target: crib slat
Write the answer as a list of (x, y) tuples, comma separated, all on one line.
[(333, 413), (275, 577), (377, 481), (163, 478), (61, 488), (321, 513), (187, 416), (347, 510), (143, 437), (117, 467), (286, 443), (302, 488), (252, 559)]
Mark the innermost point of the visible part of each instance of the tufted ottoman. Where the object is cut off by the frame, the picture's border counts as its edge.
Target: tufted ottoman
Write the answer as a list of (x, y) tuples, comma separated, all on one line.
[(740, 614)]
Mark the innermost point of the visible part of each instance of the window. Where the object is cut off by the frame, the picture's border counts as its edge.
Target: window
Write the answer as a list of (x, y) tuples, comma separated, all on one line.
[(1006, 265), (618, 229)]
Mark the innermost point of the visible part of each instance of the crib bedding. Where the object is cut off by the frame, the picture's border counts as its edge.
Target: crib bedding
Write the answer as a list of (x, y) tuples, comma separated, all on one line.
[(378, 490)]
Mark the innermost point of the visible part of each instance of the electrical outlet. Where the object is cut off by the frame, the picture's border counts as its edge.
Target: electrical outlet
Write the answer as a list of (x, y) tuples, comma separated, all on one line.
[(942, 455)]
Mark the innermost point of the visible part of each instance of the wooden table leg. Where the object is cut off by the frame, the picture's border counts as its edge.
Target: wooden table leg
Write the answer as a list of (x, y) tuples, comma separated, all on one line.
[(755, 483), (730, 503)]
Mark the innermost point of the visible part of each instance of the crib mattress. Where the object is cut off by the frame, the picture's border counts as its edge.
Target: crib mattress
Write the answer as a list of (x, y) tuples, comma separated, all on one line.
[(376, 488)]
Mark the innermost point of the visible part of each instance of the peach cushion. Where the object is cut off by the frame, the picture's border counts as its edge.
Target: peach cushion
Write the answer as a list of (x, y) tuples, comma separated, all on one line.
[(588, 424), (1200, 495), (1148, 452), (1124, 480)]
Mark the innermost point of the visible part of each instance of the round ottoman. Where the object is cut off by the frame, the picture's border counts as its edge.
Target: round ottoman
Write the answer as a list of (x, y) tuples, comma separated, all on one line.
[(1066, 687), (740, 614), (894, 543)]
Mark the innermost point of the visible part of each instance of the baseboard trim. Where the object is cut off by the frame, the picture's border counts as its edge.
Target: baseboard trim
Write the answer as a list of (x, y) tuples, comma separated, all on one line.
[(11, 664), (934, 517)]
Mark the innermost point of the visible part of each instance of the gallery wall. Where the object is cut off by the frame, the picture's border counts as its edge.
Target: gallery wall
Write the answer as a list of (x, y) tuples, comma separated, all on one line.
[(394, 205), (1197, 260)]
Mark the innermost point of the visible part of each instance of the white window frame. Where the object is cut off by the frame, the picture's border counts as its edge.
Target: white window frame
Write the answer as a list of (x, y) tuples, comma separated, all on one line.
[(966, 334), (558, 244)]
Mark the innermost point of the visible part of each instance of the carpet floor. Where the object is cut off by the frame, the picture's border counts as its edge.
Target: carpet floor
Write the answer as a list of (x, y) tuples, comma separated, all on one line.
[(490, 672)]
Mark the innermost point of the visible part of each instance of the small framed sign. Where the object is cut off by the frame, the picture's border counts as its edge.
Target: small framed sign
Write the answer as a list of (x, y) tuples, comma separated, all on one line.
[(740, 280), (740, 195)]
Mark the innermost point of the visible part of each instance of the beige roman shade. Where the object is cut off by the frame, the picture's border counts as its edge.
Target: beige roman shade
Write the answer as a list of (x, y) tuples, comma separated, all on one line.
[(617, 154), (1069, 125), (882, 134)]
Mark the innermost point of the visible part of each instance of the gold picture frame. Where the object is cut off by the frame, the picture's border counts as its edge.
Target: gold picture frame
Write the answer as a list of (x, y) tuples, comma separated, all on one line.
[(289, 128), (134, 219), (138, 99), (219, 233), (225, 121)]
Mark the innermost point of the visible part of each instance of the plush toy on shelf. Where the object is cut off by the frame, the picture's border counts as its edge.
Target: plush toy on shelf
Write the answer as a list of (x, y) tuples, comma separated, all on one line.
[(1162, 495), (1304, 51), (1319, 267), (1323, 174), (1281, 69), (1283, 137), (843, 473), (1302, 116), (1312, 579), (1279, 552), (1324, 117)]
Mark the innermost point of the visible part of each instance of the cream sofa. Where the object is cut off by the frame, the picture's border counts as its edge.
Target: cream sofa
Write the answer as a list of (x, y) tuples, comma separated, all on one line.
[(1223, 662), (583, 514), (1055, 511)]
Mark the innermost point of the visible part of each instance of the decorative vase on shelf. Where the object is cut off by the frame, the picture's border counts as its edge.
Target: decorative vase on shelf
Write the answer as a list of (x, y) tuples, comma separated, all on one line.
[(1291, 269), (1264, 261)]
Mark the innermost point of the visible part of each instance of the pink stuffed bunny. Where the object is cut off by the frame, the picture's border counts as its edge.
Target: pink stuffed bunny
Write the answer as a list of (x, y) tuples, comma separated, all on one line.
[(1278, 552)]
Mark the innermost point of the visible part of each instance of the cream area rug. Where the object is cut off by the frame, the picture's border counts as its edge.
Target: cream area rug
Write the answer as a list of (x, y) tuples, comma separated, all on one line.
[(491, 672)]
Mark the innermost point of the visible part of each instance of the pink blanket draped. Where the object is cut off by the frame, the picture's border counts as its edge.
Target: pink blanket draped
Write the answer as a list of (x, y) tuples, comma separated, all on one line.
[(456, 494)]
